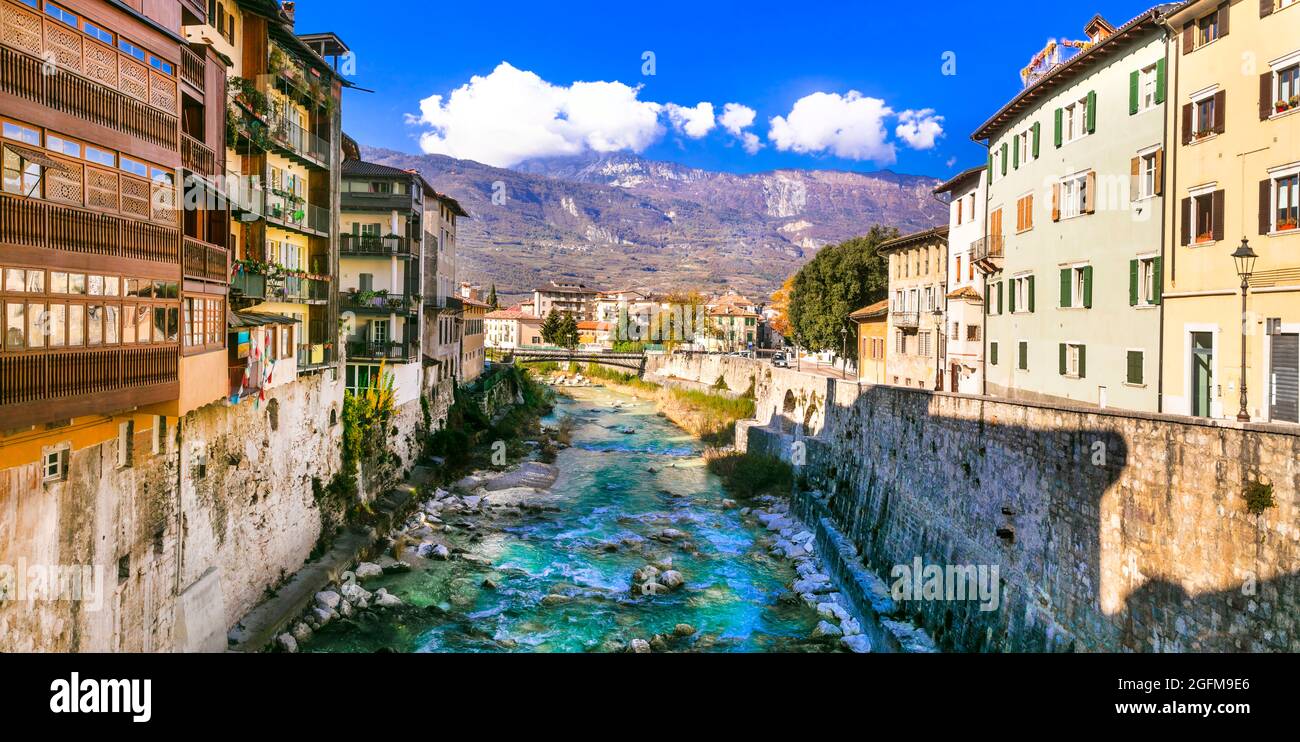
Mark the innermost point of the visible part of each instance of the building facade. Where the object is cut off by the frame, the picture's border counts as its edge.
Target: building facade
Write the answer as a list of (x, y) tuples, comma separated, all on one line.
[(566, 298), (1075, 182), (1235, 141), (731, 329), (507, 329), (473, 353), (873, 342), (442, 303), (918, 283), (967, 196)]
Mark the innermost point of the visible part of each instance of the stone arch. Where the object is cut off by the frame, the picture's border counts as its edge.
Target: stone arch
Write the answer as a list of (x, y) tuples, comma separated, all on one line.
[(789, 412)]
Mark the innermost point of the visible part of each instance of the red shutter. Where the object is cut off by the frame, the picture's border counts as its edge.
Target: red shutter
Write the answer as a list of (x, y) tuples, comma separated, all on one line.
[(1189, 40), (1186, 237), (1218, 216), (1134, 168), (1220, 111), (1265, 94), (1265, 206), (1160, 172), (1187, 123)]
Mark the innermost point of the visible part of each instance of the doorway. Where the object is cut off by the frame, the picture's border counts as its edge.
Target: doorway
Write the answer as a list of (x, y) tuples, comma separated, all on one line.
[(1202, 361), (1284, 378)]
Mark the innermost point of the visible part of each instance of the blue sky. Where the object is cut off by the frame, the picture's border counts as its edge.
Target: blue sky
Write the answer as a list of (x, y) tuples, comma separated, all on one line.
[(796, 63)]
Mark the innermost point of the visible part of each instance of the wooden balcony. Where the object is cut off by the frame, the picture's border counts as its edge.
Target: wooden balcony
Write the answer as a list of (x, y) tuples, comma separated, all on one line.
[(197, 157), (46, 386), (22, 75), (193, 68), (31, 223), (205, 261)]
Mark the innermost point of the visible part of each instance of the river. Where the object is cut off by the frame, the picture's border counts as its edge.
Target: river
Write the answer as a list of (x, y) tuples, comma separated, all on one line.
[(556, 578)]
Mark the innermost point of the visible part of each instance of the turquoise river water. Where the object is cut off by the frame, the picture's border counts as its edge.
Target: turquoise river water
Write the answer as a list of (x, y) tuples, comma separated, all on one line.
[(559, 576)]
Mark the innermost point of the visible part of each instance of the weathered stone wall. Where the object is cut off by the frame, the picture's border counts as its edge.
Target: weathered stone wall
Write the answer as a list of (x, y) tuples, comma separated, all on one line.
[(186, 540), (1111, 531)]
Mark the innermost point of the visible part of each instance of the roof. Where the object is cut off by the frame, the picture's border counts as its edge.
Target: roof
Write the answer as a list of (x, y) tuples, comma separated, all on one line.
[(597, 326), (452, 204), (871, 311), (363, 169), (959, 179), (240, 320), (967, 293), (512, 313), (553, 289), (916, 238), (730, 310), (1072, 69)]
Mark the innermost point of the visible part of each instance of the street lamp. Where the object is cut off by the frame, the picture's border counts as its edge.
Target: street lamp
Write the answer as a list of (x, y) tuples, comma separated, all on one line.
[(797, 359), (938, 343), (1244, 257), (844, 351)]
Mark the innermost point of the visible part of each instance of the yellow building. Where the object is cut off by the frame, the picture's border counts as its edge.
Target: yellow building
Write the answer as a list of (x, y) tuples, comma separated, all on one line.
[(873, 341), (473, 350), (1235, 173)]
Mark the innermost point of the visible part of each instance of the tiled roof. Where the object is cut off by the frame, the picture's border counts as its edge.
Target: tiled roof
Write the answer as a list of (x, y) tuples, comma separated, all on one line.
[(908, 240), (872, 311), (363, 169), (509, 314), (959, 179), (966, 292)]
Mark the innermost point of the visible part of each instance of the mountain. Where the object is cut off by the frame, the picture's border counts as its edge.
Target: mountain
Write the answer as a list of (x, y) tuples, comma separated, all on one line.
[(620, 220)]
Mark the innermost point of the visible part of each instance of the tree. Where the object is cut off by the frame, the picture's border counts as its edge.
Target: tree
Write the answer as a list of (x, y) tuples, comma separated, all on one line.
[(838, 281), (551, 328), (781, 304), (681, 320), (567, 336), (492, 298)]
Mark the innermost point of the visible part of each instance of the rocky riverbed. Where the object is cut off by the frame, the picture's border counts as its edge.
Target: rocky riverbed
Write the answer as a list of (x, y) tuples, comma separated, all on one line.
[(625, 544)]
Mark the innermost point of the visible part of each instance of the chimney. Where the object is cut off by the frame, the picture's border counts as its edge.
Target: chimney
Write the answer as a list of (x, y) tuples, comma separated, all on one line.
[(287, 11)]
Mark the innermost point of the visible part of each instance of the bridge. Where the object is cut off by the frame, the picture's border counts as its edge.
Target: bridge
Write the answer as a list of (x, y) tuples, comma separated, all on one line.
[(631, 361)]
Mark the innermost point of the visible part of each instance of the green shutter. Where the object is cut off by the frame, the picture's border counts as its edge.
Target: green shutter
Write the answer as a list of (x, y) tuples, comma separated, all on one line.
[(1059, 128), (1092, 111), (1132, 283), (1133, 92), (1160, 80), (1065, 288), (1001, 290), (1031, 294), (1015, 152), (990, 167), (1158, 269), (1038, 130), (1087, 287), (1064, 350), (1134, 367), (993, 354), (1011, 300), (1083, 361), (1004, 158), (1024, 356)]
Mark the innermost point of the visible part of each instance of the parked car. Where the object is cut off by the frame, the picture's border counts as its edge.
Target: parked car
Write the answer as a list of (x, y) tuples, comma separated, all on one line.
[(780, 360)]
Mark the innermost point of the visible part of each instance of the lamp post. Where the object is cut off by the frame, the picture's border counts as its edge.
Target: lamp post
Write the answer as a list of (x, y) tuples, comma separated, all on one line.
[(844, 352), (938, 343), (797, 355), (1244, 257)]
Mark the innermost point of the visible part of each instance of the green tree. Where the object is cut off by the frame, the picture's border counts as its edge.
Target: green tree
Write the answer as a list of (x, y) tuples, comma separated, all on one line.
[(492, 298), (568, 332), (551, 328), (838, 281)]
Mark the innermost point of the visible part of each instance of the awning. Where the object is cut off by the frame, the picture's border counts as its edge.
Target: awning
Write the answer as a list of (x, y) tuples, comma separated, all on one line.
[(35, 156), (243, 320)]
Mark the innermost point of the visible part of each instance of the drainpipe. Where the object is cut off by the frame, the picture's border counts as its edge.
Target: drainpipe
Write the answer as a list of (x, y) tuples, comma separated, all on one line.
[(1168, 256)]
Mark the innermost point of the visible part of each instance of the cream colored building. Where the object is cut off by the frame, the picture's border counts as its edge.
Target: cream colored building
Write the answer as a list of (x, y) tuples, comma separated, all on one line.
[(1234, 135), (965, 300), (507, 329), (918, 283)]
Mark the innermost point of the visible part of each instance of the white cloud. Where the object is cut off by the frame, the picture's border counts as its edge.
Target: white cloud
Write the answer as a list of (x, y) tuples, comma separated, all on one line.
[(750, 142), (736, 117), (511, 115), (693, 122), (851, 126), (919, 128)]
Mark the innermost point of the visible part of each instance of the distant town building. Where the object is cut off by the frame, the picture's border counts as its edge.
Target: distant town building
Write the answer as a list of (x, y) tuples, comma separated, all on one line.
[(566, 298), (512, 328)]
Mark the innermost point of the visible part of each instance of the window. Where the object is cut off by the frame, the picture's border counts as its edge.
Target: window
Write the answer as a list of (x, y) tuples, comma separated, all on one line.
[(131, 49), (1024, 215), (923, 340), (100, 156), (135, 168), (973, 333), (1023, 147), (160, 65), (1136, 374), (1073, 198), (1076, 287), (1146, 170), (1203, 116), (1023, 359), (1287, 88), (1207, 29), (1073, 359), (61, 15), (1076, 120), (1203, 213), (1286, 202), (1145, 282), (54, 465), (1147, 88), (95, 32), (63, 146)]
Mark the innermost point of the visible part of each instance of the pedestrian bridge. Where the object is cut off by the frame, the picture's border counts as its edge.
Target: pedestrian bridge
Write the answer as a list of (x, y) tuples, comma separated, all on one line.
[(631, 361)]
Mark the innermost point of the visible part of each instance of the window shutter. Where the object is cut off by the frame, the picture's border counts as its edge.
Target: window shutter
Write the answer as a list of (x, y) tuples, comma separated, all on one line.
[(1011, 300), (1056, 202), (1133, 92), (1266, 95), (1092, 111), (1004, 159), (1065, 288), (1157, 267), (1134, 168), (990, 167), (1015, 153), (1083, 361), (1189, 39), (1265, 206), (1224, 11), (1059, 129), (1090, 193), (1161, 80), (993, 354), (1133, 270), (1024, 356), (1030, 291), (1186, 238), (1220, 111), (1001, 289), (988, 299), (1038, 131), (1265, 8), (1064, 351), (1218, 215), (1087, 287), (1160, 172), (1187, 123)]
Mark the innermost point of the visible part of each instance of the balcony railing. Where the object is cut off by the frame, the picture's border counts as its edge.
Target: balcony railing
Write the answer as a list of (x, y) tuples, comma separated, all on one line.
[(364, 244), (370, 351), (38, 224), (297, 290), (299, 216), (205, 261), (988, 247), (317, 356), (449, 303), (192, 68), (45, 376), (379, 302), (246, 194), (249, 285), (197, 157), (297, 141), (24, 76), (906, 319)]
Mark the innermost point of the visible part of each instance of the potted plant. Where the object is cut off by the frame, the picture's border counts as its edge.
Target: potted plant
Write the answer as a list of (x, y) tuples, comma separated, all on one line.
[(1287, 224)]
